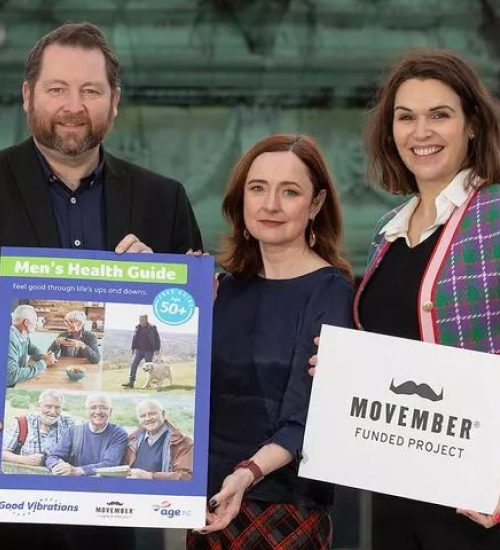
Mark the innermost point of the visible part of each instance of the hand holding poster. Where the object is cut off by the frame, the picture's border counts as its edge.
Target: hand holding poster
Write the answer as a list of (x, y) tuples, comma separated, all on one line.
[(104, 392), (405, 418)]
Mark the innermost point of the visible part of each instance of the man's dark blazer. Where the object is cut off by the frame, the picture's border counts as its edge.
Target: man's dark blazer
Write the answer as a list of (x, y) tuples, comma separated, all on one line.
[(152, 207)]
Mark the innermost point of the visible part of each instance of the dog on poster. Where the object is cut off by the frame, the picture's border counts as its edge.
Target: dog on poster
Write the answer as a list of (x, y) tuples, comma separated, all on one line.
[(156, 373)]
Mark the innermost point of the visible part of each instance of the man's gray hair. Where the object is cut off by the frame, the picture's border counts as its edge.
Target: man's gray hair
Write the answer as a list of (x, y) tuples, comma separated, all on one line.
[(51, 393), (23, 312), (152, 403), (76, 315), (99, 397)]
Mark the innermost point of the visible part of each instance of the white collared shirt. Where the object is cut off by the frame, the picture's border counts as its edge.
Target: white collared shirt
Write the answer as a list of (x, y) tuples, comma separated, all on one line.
[(451, 197), (97, 431), (152, 439)]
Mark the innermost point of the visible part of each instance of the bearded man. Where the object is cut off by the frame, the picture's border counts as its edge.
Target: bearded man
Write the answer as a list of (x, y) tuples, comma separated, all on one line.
[(42, 430), (62, 189)]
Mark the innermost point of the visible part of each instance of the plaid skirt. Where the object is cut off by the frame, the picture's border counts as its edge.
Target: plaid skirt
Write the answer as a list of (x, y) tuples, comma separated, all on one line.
[(269, 526)]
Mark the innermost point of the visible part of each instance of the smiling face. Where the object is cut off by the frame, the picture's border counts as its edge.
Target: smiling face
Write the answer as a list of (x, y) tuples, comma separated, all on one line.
[(98, 411), (151, 417), (49, 408), (71, 106), (430, 131), (278, 199)]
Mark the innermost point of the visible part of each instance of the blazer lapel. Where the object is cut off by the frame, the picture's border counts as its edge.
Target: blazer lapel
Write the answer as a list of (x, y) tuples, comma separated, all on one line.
[(118, 192), (28, 175)]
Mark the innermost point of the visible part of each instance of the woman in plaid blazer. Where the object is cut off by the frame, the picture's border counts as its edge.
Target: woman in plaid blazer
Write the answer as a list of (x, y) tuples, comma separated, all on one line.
[(434, 265)]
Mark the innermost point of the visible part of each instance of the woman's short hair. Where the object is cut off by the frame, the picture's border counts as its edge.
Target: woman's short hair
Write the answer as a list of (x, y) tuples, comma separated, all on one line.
[(241, 256), (385, 166), (75, 315)]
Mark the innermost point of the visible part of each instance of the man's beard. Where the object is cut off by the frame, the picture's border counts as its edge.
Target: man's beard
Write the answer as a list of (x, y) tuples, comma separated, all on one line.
[(68, 143), (49, 420)]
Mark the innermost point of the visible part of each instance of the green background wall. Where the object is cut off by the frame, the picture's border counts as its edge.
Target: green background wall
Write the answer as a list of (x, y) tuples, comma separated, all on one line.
[(204, 79)]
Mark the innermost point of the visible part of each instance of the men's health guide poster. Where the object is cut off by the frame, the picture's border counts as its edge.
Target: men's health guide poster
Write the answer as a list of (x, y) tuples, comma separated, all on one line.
[(79, 443)]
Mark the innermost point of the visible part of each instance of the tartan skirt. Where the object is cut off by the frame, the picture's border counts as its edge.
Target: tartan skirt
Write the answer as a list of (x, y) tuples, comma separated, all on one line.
[(269, 526)]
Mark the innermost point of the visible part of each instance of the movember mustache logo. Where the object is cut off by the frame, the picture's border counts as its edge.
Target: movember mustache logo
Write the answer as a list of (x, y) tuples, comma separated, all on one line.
[(115, 503), (412, 388)]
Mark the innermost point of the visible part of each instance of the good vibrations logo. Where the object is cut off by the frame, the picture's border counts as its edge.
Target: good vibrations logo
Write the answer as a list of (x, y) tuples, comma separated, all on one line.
[(25, 508)]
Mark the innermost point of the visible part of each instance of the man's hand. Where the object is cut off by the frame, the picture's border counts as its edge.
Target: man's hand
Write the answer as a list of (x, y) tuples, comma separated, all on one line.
[(192, 252), (137, 473), (32, 460), (73, 343), (64, 469), (131, 243), (49, 359)]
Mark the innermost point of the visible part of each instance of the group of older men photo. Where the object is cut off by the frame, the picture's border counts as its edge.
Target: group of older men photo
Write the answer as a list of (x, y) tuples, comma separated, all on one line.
[(60, 444)]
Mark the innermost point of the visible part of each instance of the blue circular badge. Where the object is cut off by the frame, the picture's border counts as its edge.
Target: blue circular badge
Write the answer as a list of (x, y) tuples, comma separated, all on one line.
[(173, 306)]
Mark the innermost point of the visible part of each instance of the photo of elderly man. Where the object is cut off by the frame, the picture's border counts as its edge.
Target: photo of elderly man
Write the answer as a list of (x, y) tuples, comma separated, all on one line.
[(76, 341), (96, 444), (157, 449), (29, 439), (22, 350)]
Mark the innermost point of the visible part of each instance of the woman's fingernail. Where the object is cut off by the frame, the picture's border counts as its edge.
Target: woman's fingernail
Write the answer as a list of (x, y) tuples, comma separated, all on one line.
[(212, 502), (496, 518)]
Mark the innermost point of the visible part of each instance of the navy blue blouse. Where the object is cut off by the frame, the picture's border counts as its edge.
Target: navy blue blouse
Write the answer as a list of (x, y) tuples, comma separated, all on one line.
[(262, 340)]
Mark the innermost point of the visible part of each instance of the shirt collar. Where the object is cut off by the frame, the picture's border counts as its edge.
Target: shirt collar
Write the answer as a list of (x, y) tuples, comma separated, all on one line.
[(18, 333), (458, 189), (152, 439), (93, 178), (100, 431), (451, 197)]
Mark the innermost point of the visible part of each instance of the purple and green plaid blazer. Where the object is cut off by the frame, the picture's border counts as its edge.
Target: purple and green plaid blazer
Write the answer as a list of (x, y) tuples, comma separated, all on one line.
[(464, 304)]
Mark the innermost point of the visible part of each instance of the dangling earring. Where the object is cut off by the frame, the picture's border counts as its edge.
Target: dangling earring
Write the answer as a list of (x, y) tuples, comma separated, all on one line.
[(246, 234), (312, 236)]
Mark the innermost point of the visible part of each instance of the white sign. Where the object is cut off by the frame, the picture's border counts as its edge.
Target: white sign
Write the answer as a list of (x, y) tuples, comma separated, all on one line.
[(405, 418)]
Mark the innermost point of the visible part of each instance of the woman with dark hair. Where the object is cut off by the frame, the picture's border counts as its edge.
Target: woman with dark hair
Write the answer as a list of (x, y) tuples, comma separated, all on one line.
[(285, 276), (434, 265)]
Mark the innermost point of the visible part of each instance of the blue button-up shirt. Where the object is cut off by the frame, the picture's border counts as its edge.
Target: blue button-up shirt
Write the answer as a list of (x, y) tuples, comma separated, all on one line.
[(81, 214), (21, 349)]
